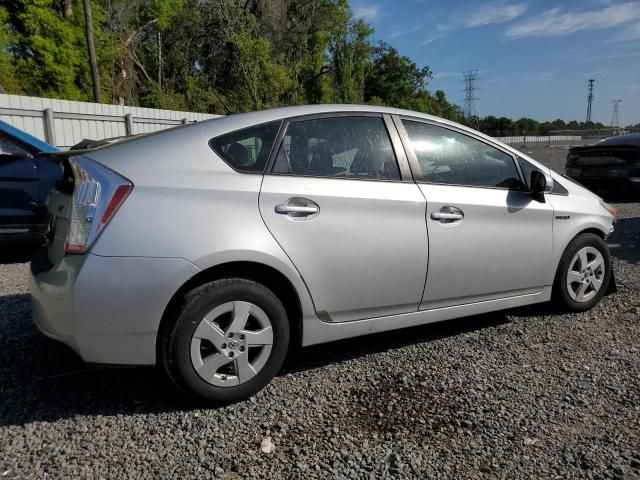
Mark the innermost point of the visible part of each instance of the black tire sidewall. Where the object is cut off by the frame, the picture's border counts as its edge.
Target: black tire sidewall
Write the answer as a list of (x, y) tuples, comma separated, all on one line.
[(197, 306), (560, 287)]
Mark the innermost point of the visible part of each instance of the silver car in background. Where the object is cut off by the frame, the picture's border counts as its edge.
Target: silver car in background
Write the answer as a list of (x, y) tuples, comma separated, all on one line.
[(208, 249)]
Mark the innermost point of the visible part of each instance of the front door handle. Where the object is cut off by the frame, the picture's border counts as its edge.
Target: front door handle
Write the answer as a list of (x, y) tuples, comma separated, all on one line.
[(448, 214), (285, 209)]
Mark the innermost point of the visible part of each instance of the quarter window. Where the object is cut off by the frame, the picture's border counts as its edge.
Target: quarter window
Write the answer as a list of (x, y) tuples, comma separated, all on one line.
[(448, 157), (528, 168), (347, 147), (247, 150), (10, 150)]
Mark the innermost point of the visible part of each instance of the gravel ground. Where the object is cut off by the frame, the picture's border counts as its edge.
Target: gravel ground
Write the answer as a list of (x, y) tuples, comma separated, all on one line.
[(530, 393)]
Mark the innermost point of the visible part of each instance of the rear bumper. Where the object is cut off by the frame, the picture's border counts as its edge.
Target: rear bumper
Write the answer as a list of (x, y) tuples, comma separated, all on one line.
[(12, 233), (108, 309)]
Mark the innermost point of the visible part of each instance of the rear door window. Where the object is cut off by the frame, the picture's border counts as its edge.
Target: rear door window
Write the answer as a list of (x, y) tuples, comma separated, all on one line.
[(247, 150), (338, 147)]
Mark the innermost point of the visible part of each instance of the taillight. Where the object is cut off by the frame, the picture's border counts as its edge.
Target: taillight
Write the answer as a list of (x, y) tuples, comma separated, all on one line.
[(97, 194)]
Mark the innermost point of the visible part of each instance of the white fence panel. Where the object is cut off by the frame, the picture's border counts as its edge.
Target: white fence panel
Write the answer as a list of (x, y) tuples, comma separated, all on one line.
[(531, 139), (64, 123)]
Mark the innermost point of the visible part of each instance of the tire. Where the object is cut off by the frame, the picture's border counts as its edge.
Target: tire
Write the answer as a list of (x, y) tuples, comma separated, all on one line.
[(208, 357), (571, 273)]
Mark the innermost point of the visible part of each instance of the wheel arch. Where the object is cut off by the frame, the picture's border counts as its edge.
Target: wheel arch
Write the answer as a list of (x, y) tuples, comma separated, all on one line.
[(267, 275), (596, 230)]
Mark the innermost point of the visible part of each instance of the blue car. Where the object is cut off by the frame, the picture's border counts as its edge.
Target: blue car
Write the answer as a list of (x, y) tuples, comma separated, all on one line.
[(27, 174)]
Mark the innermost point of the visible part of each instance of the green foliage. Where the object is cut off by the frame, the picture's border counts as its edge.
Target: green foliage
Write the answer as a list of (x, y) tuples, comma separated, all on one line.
[(49, 52), (9, 81), (504, 127), (215, 56), (350, 55), (395, 79)]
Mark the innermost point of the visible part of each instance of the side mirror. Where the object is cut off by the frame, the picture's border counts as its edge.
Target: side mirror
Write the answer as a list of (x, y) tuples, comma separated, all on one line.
[(540, 183)]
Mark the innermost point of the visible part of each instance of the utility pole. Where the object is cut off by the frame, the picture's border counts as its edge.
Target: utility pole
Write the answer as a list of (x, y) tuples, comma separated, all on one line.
[(615, 113), (589, 99), (469, 108)]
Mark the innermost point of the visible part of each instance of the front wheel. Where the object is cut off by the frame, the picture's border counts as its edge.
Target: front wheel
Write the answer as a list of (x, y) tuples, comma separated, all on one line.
[(584, 273), (228, 342)]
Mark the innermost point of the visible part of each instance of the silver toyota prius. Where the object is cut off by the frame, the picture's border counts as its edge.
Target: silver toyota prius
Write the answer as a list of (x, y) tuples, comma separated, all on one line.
[(209, 249)]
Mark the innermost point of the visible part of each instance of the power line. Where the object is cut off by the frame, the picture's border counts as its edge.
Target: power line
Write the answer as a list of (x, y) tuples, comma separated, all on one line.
[(589, 99), (615, 113), (469, 108)]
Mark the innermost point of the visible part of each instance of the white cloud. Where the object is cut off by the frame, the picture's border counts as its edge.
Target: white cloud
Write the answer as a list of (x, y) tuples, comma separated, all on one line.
[(433, 38), (496, 12), (368, 13), (500, 79), (557, 22), (440, 75), (539, 76), (590, 57), (406, 31), (596, 73), (629, 34)]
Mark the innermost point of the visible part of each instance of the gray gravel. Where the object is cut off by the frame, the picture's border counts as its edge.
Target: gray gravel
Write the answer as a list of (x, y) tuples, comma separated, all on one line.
[(524, 394)]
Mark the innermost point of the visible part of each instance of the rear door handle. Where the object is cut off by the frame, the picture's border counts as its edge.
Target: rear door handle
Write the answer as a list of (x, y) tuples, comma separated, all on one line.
[(298, 208), (285, 209), (448, 214)]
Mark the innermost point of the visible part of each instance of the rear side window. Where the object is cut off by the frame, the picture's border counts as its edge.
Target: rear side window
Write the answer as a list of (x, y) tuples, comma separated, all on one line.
[(247, 150), (448, 157), (338, 147)]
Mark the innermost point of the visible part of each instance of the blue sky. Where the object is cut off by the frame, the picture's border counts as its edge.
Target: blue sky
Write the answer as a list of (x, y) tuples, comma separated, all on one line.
[(534, 57)]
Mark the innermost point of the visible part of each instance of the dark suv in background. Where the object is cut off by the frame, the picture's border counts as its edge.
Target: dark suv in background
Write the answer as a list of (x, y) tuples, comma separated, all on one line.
[(27, 174), (611, 164)]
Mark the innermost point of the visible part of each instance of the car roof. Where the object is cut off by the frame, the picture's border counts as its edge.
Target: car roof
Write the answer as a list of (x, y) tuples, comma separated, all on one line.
[(204, 130), (25, 138), (627, 139), (300, 110)]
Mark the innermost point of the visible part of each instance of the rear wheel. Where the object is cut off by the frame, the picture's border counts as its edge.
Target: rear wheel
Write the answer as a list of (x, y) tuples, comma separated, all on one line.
[(229, 340), (584, 273)]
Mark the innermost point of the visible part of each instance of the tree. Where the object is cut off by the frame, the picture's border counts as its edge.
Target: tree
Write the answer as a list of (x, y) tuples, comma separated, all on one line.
[(9, 82), (396, 79), (350, 51), (91, 49), (215, 56), (68, 8)]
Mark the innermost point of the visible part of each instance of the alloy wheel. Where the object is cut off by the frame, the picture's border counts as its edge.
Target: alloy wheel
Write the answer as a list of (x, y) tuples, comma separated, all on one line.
[(585, 274), (231, 344)]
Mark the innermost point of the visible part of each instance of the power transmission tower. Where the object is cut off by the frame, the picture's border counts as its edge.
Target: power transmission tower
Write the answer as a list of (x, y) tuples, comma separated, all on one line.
[(615, 113), (469, 108), (589, 99)]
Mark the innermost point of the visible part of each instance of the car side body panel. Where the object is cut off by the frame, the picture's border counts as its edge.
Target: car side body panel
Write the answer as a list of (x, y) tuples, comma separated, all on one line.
[(189, 211), (119, 328), (206, 212), (316, 331), (570, 221), (364, 254), (484, 255)]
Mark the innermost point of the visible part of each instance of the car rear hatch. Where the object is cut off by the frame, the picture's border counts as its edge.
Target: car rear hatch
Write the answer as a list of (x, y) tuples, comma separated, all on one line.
[(599, 160)]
